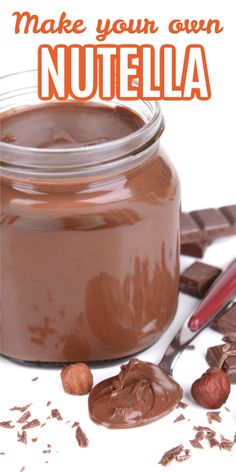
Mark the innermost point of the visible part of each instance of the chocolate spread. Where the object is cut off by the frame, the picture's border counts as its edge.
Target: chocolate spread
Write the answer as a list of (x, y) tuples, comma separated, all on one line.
[(89, 266), (140, 394)]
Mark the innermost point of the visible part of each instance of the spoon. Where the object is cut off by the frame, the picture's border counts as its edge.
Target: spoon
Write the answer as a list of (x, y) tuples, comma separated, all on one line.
[(218, 298)]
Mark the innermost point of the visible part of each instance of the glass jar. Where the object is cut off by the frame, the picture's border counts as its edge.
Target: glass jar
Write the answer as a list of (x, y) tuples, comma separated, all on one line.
[(89, 239)]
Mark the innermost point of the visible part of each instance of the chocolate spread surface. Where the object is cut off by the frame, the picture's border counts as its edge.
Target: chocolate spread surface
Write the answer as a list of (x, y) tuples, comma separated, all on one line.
[(140, 394)]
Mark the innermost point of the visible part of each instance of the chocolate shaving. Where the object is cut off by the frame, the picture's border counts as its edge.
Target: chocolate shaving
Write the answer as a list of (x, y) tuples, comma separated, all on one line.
[(46, 451), (183, 457), (22, 437), (76, 423), (179, 418), (195, 443), (24, 417), (6, 424), (22, 469), (213, 442), (227, 409), (48, 403), (171, 454), (34, 379), (20, 408), (81, 437), (32, 424), (214, 416), (226, 443), (56, 414), (34, 440), (199, 435), (182, 405), (2, 453)]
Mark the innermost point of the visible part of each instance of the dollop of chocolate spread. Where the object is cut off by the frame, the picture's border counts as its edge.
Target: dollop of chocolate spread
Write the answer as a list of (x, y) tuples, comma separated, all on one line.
[(140, 394)]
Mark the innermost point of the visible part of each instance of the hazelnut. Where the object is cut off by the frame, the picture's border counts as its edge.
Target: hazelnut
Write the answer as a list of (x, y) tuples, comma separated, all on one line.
[(212, 389), (77, 379)]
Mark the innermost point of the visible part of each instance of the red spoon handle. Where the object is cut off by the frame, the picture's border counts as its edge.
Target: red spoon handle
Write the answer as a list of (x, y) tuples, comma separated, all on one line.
[(220, 293)]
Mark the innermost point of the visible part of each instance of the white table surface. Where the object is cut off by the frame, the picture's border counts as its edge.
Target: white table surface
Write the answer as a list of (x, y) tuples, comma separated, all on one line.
[(135, 449)]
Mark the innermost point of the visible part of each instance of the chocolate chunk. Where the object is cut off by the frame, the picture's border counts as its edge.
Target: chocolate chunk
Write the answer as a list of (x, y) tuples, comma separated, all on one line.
[(227, 322), (204, 226), (182, 405), (81, 437), (216, 355), (197, 278)]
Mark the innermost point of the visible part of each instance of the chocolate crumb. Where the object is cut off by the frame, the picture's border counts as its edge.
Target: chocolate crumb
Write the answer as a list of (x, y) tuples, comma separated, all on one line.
[(81, 437), (2, 453), (42, 425), (24, 417), (46, 451), (227, 409), (170, 455), (32, 424), (22, 469), (179, 418), (20, 408), (214, 416), (34, 440), (75, 424), (34, 379), (182, 405), (7, 424), (22, 437), (56, 414), (49, 445), (195, 443), (48, 403)]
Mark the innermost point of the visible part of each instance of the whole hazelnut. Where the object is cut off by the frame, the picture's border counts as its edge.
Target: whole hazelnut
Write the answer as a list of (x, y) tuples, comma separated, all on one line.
[(212, 389), (77, 379)]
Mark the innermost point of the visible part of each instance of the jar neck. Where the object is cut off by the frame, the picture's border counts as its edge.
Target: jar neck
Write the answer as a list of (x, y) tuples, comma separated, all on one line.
[(82, 162)]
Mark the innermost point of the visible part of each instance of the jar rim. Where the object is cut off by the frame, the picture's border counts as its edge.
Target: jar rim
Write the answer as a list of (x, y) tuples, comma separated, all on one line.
[(109, 151)]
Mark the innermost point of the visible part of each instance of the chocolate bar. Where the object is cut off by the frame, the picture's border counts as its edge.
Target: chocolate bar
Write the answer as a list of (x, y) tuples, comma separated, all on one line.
[(201, 227), (218, 356), (197, 278), (227, 322)]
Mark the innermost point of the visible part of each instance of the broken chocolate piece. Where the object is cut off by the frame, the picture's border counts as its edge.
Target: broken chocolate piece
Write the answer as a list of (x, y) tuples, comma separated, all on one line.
[(227, 322), (204, 226), (196, 279), (216, 355), (194, 249)]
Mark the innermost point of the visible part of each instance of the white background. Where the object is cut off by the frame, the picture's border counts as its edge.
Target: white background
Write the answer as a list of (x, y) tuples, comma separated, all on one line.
[(200, 138)]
